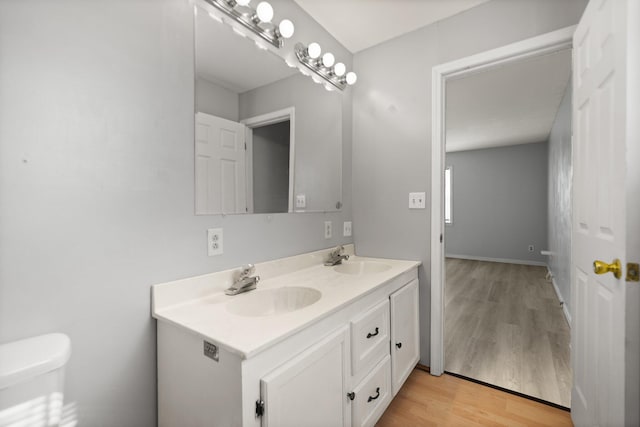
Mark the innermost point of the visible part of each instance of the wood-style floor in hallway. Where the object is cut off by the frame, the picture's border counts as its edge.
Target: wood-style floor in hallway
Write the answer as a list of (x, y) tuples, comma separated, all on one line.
[(425, 400), (504, 326)]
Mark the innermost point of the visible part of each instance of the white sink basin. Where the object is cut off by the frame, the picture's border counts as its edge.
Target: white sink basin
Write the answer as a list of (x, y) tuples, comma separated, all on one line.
[(271, 302), (361, 267)]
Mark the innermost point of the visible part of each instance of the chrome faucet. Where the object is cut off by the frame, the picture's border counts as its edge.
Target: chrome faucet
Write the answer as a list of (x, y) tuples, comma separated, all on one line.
[(244, 282), (336, 256)]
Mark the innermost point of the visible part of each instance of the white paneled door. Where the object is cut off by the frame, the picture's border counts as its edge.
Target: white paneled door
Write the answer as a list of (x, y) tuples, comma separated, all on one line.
[(600, 116), (220, 165)]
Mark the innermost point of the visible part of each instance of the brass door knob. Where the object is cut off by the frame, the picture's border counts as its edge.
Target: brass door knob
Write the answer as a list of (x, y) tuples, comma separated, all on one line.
[(601, 267)]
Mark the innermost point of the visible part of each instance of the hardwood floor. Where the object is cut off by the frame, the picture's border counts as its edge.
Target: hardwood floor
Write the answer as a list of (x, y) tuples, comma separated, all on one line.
[(425, 400), (504, 326)]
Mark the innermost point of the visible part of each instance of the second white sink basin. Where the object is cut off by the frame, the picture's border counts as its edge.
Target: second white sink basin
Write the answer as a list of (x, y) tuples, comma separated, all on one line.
[(361, 267), (271, 302)]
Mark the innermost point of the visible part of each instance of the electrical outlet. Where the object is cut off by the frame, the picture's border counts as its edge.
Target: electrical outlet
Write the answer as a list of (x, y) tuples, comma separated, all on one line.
[(327, 229), (531, 248), (301, 201), (346, 229), (214, 241), (417, 200)]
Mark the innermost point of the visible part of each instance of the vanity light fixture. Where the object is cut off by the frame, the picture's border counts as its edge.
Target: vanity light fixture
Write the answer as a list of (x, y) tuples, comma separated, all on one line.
[(323, 66), (258, 20)]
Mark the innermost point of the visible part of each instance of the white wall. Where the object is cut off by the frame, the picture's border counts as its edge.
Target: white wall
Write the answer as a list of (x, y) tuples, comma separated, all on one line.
[(560, 173), (392, 122), (96, 188), (499, 202)]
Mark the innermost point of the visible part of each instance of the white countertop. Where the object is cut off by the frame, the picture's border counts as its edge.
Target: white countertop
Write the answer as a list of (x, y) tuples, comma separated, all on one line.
[(199, 304)]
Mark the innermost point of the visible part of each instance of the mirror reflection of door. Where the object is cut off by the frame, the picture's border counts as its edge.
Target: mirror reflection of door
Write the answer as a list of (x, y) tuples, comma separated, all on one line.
[(220, 165)]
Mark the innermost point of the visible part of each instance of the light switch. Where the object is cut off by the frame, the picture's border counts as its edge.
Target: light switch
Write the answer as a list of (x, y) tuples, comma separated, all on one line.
[(327, 229), (417, 200), (346, 231)]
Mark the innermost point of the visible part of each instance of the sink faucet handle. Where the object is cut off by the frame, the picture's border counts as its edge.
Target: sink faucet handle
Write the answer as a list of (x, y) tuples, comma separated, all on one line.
[(246, 270), (337, 251)]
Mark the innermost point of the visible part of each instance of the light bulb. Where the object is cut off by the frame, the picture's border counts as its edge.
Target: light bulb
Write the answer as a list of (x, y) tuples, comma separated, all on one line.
[(314, 50), (286, 28), (339, 69), (243, 2), (351, 78), (328, 59), (264, 11)]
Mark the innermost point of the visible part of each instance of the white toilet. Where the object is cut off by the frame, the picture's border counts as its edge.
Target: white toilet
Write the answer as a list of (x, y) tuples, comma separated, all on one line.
[(32, 380)]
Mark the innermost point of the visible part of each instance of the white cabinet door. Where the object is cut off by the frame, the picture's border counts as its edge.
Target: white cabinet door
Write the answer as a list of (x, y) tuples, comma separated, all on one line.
[(405, 339), (311, 389)]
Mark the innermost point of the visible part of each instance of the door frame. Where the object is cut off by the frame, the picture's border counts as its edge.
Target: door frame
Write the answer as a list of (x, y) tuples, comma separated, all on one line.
[(539, 45), (271, 118)]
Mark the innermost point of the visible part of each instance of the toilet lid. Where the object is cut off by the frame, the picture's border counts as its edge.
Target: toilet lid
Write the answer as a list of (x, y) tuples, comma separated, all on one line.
[(25, 359)]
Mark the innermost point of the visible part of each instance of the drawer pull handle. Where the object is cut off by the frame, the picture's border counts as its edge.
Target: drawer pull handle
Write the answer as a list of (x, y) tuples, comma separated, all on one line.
[(399, 344), (376, 396), (369, 335), (351, 395)]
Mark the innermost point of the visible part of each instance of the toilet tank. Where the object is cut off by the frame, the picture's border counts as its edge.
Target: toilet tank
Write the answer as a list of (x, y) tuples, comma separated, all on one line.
[(32, 380)]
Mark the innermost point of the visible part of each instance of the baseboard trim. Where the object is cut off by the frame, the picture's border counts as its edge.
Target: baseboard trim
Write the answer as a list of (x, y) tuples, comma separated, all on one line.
[(502, 260), (565, 310), (423, 368)]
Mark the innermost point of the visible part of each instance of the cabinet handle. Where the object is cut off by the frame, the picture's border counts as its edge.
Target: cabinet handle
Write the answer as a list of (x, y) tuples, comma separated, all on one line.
[(351, 395), (369, 335), (376, 396), (399, 344)]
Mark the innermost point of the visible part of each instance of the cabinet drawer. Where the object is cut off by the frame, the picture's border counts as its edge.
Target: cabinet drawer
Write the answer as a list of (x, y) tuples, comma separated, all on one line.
[(370, 338), (372, 396)]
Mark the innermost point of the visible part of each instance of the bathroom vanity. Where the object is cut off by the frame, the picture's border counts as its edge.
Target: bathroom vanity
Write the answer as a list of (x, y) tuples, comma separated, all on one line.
[(312, 346)]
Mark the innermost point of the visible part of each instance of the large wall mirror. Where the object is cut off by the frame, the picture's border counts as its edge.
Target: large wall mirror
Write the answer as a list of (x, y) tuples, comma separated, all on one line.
[(267, 138)]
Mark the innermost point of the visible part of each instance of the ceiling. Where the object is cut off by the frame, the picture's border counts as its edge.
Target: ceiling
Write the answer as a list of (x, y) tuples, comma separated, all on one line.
[(244, 66), (511, 104), (360, 24)]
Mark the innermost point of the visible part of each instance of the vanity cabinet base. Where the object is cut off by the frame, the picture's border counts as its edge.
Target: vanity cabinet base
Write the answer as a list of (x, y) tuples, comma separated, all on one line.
[(308, 378)]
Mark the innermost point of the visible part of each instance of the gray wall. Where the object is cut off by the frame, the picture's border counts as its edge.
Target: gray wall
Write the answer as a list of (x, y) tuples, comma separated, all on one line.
[(319, 118), (392, 122), (96, 188), (271, 168), (559, 214), (499, 204), (218, 101)]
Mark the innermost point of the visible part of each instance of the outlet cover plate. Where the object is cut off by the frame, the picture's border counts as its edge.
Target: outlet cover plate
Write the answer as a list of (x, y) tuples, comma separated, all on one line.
[(214, 242)]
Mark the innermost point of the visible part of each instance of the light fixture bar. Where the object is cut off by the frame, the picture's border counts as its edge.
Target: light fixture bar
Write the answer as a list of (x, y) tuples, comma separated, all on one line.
[(317, 67), (248, 21)]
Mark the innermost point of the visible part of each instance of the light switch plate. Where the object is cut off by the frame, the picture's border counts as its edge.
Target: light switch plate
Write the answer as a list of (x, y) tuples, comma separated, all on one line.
[(346, 231), (214, 241), (417, 201), (327, 229)]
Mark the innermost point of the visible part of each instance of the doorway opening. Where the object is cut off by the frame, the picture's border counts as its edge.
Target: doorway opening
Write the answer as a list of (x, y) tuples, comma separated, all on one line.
[(490, 265), (270, 140)]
